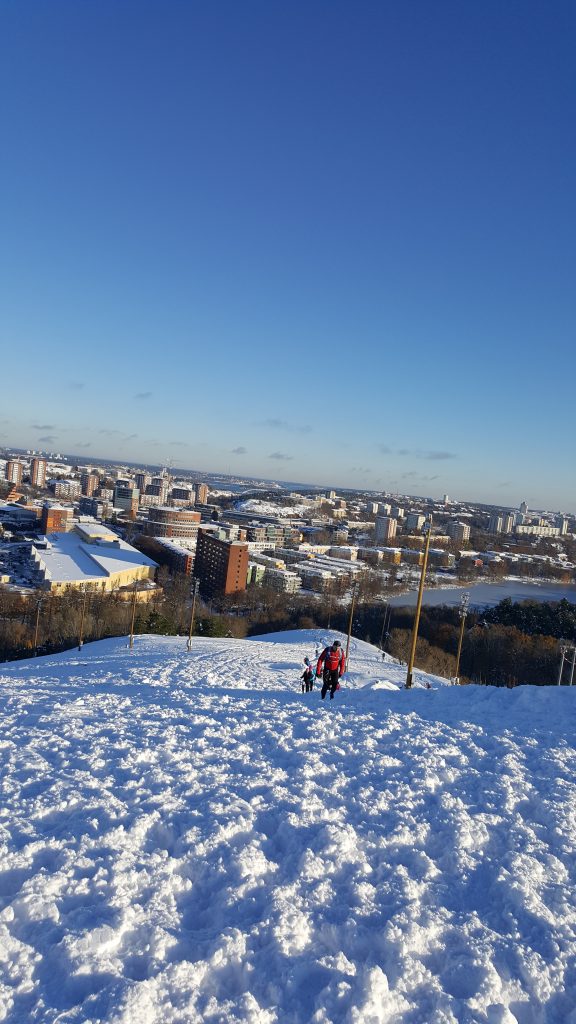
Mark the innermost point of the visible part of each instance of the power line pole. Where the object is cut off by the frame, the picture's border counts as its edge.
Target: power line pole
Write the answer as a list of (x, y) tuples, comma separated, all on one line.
[(195, 585), (463, 613), (82, 614), (418, 606), (37, 626), (573, 664), (355, 588), (133, 617)]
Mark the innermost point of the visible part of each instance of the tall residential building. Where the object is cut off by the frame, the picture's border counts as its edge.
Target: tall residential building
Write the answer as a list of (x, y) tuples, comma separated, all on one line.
[(220, 565), (523, 508), (458, 531), (201, 493), (14, 471), (89, 482), (496, 523), (38, 472), (385, 529), (507, 523), (142, 480), (415, 521), (126, 498)]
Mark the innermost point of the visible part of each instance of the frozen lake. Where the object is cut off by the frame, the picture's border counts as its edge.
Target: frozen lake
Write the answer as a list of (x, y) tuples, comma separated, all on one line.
[(488, 594)]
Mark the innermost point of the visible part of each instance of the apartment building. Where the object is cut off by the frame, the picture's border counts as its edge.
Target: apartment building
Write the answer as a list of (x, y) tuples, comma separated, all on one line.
[(385, 529), (14, 471), (38, 472), (172, 522), (221, 565)]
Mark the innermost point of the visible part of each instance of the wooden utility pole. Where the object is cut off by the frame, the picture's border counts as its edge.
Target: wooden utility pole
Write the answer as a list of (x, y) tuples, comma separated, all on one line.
[(463, 613), (418, 607), (133, 617), (354, 595), (195, 585), (37, 627), (82, 614)]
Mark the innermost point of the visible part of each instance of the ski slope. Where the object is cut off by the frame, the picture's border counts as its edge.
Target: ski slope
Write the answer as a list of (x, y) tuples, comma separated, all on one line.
[(186, 837)]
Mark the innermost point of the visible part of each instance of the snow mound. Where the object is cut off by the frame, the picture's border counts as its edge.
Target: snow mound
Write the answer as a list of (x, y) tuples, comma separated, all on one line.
[(186, 837)]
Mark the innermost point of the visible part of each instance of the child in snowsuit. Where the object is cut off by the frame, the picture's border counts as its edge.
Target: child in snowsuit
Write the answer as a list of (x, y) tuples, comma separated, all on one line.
[(331, 666), (307, 677)]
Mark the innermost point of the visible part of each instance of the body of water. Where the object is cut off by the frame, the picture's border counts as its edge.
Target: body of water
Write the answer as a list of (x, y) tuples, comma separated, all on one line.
[(484, 595)]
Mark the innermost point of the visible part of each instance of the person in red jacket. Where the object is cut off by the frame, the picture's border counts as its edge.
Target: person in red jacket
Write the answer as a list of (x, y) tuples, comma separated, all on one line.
[(331, 666)]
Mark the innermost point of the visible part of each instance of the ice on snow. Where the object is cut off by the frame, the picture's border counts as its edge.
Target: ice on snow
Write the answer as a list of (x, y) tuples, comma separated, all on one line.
[(186, 837)]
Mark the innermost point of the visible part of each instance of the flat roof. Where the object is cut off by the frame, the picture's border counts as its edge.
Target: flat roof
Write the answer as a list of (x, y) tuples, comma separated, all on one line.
[(68, 558)]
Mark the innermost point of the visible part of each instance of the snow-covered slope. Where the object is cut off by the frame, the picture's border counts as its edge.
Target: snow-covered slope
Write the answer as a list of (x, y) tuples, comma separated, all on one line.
[(186, 837)]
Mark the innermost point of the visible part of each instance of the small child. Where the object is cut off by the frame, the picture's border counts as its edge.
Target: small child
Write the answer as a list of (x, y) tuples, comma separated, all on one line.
[(307, 677)]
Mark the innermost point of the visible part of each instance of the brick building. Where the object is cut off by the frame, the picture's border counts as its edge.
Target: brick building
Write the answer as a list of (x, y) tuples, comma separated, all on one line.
[(221, 565), (56, 518)]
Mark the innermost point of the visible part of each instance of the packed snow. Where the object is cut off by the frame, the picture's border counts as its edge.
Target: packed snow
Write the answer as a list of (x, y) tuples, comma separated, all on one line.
[(187, 837)]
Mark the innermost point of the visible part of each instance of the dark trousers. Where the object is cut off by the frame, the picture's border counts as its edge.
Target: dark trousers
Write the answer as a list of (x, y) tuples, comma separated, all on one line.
[(330, 682)]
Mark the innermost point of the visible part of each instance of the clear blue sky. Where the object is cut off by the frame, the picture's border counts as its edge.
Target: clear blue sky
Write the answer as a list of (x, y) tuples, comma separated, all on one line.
[(320, 241)]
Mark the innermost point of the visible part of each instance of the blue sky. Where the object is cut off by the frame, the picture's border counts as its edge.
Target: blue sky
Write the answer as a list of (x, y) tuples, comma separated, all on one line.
[(329, 242)]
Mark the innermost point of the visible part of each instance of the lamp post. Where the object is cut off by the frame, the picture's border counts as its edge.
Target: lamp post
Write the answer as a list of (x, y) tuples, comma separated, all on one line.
[(566, 648), (573, 664), (37, 626), (355, 588), (385, 619), (133, 617), (418, 606), (195, 585), (82, 615), (462, 613)]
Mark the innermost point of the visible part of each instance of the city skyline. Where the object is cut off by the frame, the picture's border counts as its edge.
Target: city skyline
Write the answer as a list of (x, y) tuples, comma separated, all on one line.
[(330, 246)]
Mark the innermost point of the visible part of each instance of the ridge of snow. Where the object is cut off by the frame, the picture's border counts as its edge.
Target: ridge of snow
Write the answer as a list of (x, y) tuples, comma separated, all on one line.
[(186, 837)]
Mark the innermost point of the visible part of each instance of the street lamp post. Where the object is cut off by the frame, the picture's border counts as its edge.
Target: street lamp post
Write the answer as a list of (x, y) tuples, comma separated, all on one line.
[(573, 664), (463, 613), (418, 606), (355, 588), (195, 585), (82, 615), (133, 616), (37, 626)]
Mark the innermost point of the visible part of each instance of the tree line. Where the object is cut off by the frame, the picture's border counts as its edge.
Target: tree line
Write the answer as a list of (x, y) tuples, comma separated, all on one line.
[(509, 644)]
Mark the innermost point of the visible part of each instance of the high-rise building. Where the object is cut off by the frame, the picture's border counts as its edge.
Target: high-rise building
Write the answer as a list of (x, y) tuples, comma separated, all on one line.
[(523, 508), (414, 521), (496, 523), (38, 472), (126, 498), (458, 531), (220, 565), (89, 483), (507, 523), (385, 529), (201, 493), (14, 471), (142, 480)]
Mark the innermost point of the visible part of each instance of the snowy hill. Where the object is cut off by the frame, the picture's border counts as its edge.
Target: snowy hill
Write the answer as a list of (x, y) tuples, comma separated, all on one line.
[(186, 837)]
